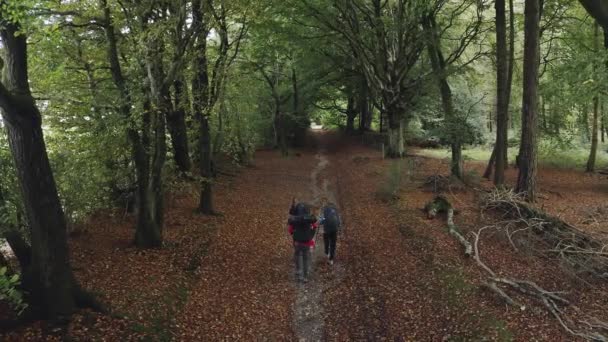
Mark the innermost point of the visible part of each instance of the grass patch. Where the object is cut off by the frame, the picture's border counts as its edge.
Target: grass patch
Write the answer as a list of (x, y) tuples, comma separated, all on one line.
[(499, 327), (388, 191), (159, 326), (575, 157), (399, 173), (454, 286)]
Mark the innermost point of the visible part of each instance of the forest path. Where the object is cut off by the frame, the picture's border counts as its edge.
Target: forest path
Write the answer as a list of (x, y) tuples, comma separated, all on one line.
[(397, 275), (309, 318)]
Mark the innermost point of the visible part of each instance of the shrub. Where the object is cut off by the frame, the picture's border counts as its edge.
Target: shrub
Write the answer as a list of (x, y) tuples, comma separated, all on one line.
[(9, 291)]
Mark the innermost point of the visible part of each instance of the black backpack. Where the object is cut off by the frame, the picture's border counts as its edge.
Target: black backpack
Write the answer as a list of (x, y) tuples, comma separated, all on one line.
[(299, 209), (302, 221), (332, 219), (303, 231)]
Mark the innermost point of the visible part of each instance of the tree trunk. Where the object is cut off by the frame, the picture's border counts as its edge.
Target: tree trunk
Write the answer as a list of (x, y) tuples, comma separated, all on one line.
[(510, 79), (439, 68), (603, 123), (594, 140), (298, 119), (543, 113), (48, 278), (176, 123), (594, 123), (202, 108), (584, 121), (218, 142), (488, 173), (526, 180), (396, 138), (149, 219), (351, 114), (281, 128), (206, 200), (502, 94), (490, 122), (365, 114)]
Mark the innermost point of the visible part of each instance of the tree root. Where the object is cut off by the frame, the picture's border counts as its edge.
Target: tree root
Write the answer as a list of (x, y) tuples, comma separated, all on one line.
[(86, 300)]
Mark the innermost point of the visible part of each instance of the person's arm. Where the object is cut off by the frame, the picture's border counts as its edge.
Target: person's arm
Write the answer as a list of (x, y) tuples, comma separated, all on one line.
[(321, 217)]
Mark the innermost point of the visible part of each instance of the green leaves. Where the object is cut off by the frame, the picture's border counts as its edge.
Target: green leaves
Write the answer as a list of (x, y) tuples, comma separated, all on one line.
[(9, 291)]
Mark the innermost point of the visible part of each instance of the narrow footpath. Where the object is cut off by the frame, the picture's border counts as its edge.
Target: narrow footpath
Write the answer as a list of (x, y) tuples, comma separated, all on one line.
[(397, 276)]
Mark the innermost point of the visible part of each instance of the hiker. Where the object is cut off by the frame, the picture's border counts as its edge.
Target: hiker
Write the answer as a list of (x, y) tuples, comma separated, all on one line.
[(302, 227), (330, 219)]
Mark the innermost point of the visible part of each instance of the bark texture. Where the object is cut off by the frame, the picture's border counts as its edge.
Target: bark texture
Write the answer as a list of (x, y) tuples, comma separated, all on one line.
[(526, 180), (47, 275)]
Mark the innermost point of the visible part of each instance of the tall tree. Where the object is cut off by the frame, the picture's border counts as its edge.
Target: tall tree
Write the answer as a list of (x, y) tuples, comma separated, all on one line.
[(207, 82), (176, 117), (502, 93), (504, 81), (147, 139), (596, 105), (387, 41), (526, 180), (48, 276), (441, 66)]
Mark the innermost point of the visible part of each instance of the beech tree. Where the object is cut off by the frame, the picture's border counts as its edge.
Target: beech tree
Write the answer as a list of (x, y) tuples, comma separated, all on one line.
[(387, 40), (46, 271), (441, 67)]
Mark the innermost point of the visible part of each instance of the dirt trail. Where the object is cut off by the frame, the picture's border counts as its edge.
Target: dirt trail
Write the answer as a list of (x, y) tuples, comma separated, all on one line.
[(309, 316)]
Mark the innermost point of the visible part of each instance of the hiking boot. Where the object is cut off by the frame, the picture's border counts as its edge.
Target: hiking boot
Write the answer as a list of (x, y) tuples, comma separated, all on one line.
[(331, 262)]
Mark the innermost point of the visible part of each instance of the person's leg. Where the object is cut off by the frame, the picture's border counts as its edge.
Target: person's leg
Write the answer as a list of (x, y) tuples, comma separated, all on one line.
[(332, 245), (326, 243), (305, 262), (296, 257)]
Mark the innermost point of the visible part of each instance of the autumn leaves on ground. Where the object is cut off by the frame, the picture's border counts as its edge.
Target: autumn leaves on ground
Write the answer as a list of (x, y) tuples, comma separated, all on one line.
[(398, 275)]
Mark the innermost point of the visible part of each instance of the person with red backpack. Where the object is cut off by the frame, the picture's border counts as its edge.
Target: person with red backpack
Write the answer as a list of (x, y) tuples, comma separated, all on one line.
[(330, 219), (302, 226)]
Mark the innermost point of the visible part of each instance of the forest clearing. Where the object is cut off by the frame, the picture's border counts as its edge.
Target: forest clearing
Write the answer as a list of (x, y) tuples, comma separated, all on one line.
[(303, 170)]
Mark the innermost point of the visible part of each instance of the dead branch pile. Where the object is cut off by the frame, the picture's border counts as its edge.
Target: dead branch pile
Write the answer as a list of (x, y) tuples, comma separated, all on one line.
[(571, 318), (588, 328), (582, 251)]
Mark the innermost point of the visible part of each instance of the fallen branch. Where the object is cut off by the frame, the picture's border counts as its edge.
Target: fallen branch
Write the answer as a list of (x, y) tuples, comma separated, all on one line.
[(468, 249), (550, 300), (441, 204), (494, 288)]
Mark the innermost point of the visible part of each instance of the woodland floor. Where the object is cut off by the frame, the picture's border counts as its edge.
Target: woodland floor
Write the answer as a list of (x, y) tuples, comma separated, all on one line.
[(398, 276)]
